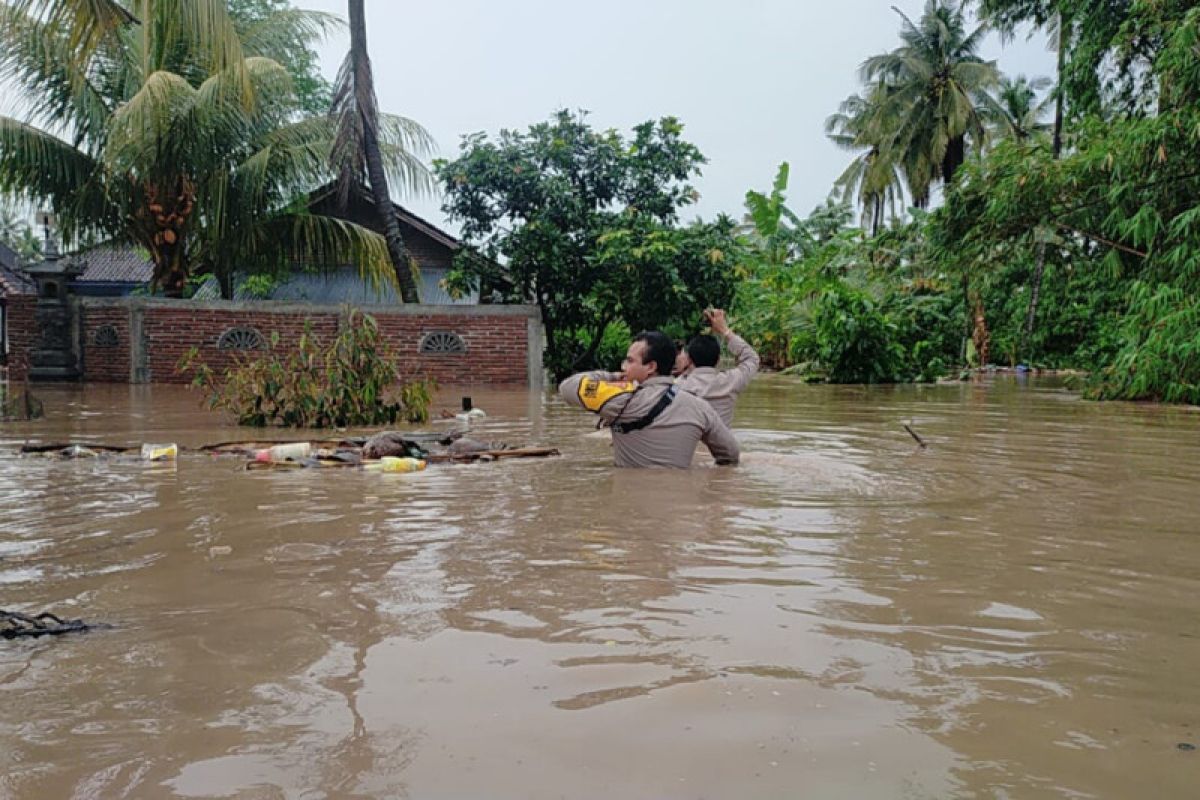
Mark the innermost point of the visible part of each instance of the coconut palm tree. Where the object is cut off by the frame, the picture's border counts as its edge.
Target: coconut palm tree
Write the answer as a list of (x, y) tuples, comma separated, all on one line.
[(873, 180), (928, 95), (157, 127), (1014, 111), (359, 150)]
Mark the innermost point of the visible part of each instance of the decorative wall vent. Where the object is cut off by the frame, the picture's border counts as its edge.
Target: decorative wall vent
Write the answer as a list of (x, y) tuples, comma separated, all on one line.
[(442, 343), (241, 339), (105, 336)]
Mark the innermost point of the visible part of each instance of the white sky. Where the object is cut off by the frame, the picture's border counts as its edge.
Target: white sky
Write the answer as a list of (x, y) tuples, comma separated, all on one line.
[(752, 81)]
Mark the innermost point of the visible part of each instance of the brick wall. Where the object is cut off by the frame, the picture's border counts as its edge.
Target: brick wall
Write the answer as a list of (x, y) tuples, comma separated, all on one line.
[(153, 334), (21, 334), (497, 347), (102, 360), (169, 333)]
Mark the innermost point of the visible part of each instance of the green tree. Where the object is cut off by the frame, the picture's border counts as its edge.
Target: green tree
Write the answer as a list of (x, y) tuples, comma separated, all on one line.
[(361, 148), (1121, 204), (582, 223), (276, 30), (173, 139), (927, 111), (1106, 49), (1014, 110), (874, 178)]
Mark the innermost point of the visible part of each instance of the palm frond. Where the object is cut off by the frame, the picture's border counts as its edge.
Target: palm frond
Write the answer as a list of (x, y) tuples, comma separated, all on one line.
[(82, 24), (51, 86), (273, 35), (142, 127)]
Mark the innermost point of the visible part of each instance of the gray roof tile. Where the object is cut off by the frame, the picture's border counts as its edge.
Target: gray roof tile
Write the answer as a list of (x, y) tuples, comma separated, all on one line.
[(117, 264)]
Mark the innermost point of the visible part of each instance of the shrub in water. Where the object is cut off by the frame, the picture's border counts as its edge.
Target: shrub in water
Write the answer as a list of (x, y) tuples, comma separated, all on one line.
[(352, 381)]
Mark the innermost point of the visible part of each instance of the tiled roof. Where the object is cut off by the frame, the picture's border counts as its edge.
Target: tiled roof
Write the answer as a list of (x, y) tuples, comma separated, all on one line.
[(115, 264), (15, 282), (8, 256)]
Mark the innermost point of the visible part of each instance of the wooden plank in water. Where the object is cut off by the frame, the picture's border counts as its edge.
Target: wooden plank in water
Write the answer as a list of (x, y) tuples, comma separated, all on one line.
[(491, 455)]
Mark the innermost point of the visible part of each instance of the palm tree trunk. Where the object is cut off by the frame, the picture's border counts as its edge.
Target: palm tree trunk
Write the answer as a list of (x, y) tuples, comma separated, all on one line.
[(1035, 290), (1058, 99), (376, 175), (956, 150)]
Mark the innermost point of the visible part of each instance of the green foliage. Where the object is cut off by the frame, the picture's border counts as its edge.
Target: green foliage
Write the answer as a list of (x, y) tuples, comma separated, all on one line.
[(350, 381), (273, 28), (821, 299), (1160, 356), (19, 235), (920, 113), (176, 132), (584, 224), (258, 287), (1114, 222), (852, 339)]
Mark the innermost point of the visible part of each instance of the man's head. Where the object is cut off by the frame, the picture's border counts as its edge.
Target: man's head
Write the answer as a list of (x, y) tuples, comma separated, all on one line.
[(704, 351), (650, 353), (683, 364)]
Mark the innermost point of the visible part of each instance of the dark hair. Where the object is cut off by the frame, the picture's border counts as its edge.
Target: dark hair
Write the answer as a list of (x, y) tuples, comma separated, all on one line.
[(659, 349), (704, 350)]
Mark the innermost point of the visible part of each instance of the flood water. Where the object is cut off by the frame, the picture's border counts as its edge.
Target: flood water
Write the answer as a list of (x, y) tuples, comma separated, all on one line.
[(1013, 612)]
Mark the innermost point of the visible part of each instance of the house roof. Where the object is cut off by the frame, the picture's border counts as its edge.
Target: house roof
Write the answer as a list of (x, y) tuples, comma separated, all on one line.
[(426, 227), (8, 257), (114, 264), (13, 281)]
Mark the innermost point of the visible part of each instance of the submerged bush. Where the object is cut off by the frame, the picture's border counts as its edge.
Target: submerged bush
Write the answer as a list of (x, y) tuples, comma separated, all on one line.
[(351, 381)]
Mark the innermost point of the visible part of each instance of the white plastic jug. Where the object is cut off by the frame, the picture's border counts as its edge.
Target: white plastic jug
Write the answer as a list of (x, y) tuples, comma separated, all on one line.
[(292, 451)]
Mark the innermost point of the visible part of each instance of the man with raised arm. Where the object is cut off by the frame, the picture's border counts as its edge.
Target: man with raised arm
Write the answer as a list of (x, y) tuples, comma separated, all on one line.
[(697, 371), (653, 423)]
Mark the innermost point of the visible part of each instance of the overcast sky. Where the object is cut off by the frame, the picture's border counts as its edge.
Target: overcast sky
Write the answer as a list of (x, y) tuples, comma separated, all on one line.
[(752, 81)]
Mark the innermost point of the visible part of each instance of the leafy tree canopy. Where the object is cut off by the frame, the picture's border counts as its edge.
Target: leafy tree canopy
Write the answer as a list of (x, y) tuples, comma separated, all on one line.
[(584, 223)]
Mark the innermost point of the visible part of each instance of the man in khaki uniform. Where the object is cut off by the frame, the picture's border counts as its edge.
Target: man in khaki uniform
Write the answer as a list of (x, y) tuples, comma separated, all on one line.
[(698, 373), (653, 424)]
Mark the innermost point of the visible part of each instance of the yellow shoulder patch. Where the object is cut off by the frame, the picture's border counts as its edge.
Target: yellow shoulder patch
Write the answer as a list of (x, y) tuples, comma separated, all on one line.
[(594, 394)]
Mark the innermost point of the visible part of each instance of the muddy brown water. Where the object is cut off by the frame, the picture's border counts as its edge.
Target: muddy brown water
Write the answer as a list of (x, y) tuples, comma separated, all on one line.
[(1011, 613)]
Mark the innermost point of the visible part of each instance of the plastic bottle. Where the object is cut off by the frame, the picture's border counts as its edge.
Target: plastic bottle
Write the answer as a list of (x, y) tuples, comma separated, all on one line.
[(396, 464), (160, 452), (293, 451)]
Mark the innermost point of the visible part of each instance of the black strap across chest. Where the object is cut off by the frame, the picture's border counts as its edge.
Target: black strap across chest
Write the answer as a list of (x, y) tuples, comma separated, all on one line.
[(665, 400)]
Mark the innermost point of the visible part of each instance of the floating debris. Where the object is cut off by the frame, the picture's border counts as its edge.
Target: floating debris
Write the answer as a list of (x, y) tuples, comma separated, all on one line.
[(44, 624), (450, 447), (159, 452)]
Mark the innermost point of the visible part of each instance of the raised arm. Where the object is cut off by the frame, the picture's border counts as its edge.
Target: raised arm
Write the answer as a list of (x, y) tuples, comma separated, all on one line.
[(747, 362)]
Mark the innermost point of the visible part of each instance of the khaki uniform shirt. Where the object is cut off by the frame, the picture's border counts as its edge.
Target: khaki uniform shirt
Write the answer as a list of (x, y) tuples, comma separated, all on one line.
[(721, 387), (669, 441)]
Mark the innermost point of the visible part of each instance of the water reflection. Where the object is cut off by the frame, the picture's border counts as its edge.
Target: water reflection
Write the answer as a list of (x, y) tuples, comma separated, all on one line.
[(1010, 612)]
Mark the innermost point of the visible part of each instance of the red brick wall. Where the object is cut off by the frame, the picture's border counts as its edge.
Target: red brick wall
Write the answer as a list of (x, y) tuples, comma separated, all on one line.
[(171, 332), (497, 346), (21, 334), (101, 362)]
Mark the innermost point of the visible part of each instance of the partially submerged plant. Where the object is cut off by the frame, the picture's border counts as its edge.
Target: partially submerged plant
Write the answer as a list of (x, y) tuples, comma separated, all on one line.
[(351, 381)]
